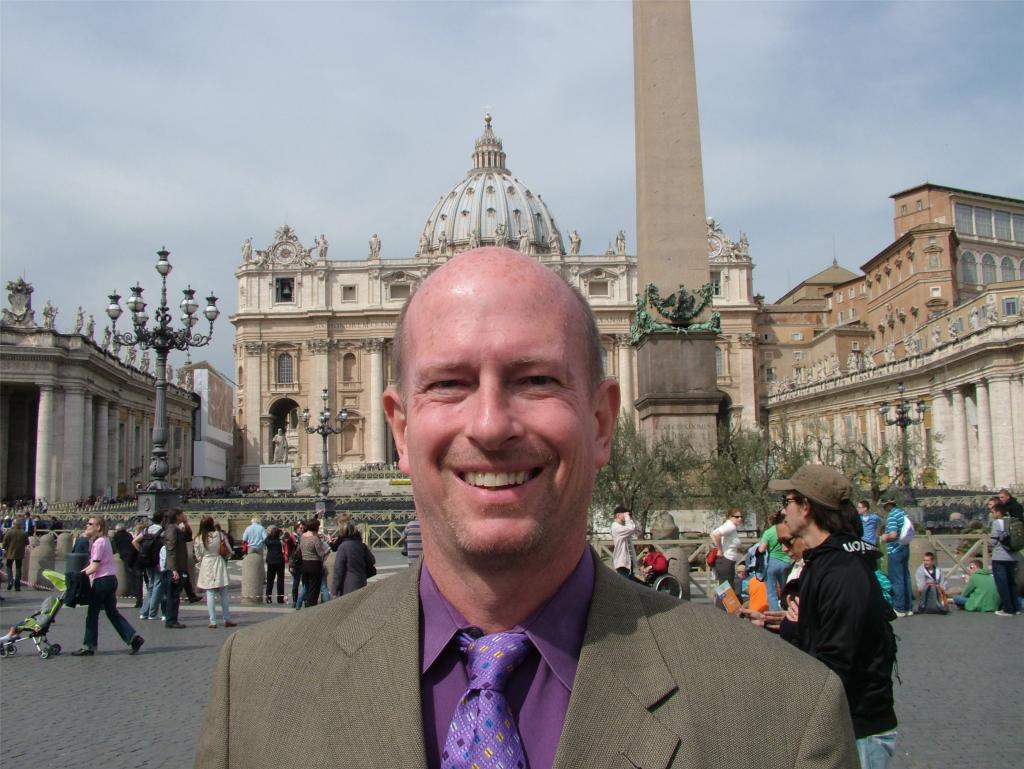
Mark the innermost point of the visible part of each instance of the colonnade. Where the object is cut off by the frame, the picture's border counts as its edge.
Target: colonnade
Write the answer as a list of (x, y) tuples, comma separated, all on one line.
[(980, 421)]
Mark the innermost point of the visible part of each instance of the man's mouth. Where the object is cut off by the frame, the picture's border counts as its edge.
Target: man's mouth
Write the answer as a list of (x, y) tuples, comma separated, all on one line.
[(499, 480)]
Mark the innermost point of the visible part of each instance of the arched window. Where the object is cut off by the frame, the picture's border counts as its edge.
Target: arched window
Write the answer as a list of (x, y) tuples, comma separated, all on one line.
[(1007, 270), (284, 368), (348, 439), (348, 367), (969, 267), (988, 269), (718, 361)]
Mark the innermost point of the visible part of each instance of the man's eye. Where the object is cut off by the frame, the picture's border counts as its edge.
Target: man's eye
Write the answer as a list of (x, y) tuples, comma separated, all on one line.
[(539, 380), (445, 384)]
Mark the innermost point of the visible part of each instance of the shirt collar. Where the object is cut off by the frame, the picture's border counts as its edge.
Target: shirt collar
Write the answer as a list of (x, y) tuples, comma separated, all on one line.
[(556, 629)]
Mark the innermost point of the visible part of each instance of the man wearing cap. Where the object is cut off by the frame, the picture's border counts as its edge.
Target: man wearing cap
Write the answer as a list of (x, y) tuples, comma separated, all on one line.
[(841, 617), (899, 560), (510, 643)]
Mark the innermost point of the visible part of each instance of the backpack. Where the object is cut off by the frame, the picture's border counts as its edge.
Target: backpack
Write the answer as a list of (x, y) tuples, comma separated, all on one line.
[(149, 549), (371, 562), (1013, 534), (906, 531)]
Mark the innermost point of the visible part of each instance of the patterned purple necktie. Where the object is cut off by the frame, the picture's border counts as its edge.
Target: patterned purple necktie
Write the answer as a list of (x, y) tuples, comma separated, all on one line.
[(483, 734)]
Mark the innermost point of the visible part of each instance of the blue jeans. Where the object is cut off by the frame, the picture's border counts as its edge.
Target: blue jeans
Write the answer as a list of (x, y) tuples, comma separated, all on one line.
[(1005, 575), (152, 604), (775, 580), (876, 750), (172, 597), (104, 598), (899, 576), (960, 601), (325, 593), (211, 594)]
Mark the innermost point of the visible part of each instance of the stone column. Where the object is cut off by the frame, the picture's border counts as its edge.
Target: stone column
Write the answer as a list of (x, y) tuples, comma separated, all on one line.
[(252, 453), (74, 405), (985, 465), (44, 443), (625, 364), (129, 452), (375, 450), (113, 448), (941, 425), (1003, 452), (88, 443), (962, 476), (5, 420), (102, 454), (1017, 396)]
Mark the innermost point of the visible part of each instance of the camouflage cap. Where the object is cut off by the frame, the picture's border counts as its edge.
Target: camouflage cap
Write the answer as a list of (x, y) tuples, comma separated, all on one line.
[(824, 485)]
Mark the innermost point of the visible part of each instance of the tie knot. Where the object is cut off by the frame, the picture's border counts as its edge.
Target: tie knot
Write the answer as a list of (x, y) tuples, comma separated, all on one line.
[(493, 658)]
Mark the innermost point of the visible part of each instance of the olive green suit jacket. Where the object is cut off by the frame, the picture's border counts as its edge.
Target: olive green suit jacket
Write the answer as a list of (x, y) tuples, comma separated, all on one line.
[(660, 683)]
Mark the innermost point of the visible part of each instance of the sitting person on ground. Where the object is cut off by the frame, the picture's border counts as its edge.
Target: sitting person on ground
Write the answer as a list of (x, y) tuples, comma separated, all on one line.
[(741, 582), (653, 563), (931, 586), (979, 594)]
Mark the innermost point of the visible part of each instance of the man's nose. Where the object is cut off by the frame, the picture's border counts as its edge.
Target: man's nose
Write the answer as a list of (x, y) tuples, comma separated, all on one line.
[(494, 419)]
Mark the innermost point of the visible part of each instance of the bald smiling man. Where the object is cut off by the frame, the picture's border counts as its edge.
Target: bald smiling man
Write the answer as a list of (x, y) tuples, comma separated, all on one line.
[(512, 645)]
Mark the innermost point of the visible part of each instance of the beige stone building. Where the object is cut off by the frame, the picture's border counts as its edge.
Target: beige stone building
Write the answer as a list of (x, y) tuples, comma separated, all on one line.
[(76, 417), (307, 322), (938, 310)]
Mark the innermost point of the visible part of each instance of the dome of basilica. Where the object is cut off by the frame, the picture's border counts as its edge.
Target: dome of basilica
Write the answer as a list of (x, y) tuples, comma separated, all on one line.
[(489, 207)]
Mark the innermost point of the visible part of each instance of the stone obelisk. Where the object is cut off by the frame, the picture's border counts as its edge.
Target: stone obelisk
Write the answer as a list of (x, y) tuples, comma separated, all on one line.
[(677, 382)]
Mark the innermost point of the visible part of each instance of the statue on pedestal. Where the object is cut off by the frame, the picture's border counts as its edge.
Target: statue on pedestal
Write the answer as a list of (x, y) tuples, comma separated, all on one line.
[(90, 326), (79, 320), (321, 247), (280, 447), (49, 316), (375, 247), (247, 250), (620, 243), (474, 239), (575, 242), (524, 242)]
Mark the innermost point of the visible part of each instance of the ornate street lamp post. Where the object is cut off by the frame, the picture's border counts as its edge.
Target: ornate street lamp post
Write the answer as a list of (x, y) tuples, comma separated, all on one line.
[(904, 418), (161, 338), (325, 505)]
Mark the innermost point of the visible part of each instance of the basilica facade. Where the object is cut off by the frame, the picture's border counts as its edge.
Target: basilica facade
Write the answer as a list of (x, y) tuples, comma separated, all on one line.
[(306, 322)]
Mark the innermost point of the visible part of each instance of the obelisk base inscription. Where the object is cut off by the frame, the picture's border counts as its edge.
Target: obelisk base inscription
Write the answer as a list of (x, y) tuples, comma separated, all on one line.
[(679, 387)]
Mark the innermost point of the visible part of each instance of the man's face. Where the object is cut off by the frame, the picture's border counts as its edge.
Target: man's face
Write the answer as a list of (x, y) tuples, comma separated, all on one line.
[(862, 508), (794, 507), (497, 425), (929, 562), (1004, 496)]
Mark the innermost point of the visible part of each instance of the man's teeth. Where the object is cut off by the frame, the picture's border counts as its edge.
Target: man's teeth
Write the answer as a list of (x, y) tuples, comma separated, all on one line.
[(496, 480)]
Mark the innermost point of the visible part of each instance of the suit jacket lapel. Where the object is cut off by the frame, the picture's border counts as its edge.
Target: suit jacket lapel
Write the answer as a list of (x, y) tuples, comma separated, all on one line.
[(621, 677), (380, 656)]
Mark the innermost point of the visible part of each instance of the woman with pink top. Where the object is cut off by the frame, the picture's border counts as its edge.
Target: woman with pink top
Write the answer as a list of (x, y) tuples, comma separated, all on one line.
[(103, 596)]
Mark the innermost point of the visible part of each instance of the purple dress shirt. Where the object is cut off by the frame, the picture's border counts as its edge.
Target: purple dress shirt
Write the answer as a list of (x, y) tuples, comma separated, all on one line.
[(538, 692)]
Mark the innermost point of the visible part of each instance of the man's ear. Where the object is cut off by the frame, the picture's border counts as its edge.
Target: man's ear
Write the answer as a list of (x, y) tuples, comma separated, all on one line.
[(394, 410), (606, 413)]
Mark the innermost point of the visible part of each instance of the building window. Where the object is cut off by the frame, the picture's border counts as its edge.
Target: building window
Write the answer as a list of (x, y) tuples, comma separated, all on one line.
[(348, 367), (988, 269), (903, 210), (841, 318), (716, 283), (284, 289), (969, 267), (964, 219), (839, 297), (855, 346), (597, 288), (797, 336), (850, 293), (348, 293), (798, 355), (983, 222), (1018, 227), (1010, 306), (853, 313), (933, 261), (936, 291), (920, 205), (863, 289), (284, 368), (1003, 225), (718, 361), (769, 374), (399, 291), (1007, 270)]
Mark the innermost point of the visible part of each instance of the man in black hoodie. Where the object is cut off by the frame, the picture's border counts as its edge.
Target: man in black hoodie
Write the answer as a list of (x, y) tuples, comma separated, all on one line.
[(841, 617)]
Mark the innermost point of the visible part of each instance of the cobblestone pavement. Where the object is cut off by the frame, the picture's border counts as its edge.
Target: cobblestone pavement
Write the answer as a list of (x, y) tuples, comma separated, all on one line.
[(958, 705)]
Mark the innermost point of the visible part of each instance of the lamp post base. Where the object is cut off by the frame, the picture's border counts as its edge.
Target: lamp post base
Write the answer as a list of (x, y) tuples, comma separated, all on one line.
[(153, 500)]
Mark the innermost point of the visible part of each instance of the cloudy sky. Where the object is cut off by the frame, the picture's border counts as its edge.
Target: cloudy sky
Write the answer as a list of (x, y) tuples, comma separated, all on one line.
[(128, 126)]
